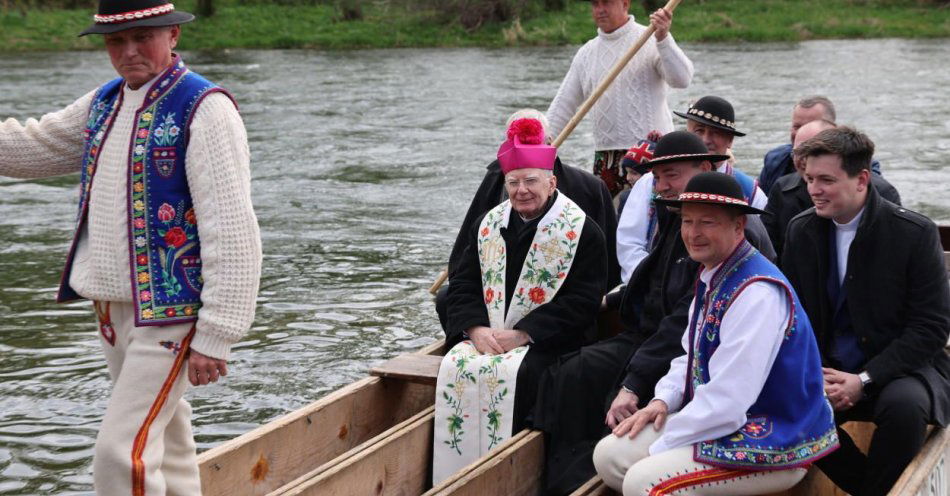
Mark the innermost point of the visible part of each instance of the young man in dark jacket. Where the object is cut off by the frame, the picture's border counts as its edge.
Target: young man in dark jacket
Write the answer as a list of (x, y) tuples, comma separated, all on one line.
[(871, 276)]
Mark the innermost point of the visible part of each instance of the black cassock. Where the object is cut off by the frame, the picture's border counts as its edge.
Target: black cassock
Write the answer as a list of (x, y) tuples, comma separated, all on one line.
[(556, 327), (586, 190)]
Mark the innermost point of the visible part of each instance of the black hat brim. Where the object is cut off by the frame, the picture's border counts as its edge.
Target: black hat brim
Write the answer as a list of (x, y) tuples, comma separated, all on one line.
[(710, 123), (171, 19), (712, 157), (742, 208)]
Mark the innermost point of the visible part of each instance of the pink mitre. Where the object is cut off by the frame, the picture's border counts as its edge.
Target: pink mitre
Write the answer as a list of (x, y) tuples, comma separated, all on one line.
[(525, 148)]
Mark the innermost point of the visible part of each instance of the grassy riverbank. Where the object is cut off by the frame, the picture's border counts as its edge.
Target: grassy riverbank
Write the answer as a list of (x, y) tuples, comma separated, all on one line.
[(241, 24)]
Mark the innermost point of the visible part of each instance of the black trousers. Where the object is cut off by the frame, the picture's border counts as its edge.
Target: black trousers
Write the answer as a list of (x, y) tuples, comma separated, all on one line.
[(901, 411)]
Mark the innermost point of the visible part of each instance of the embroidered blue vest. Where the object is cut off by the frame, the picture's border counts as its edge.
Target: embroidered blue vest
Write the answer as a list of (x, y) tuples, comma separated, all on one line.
[(791, 424), (164, 249)]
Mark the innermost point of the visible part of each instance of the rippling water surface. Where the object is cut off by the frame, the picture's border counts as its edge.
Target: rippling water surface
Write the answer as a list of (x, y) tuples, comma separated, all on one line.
[(363, 165)]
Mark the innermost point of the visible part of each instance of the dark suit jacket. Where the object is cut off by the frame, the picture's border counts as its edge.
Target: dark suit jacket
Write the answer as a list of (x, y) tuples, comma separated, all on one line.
[(789, 197), (897, 293)]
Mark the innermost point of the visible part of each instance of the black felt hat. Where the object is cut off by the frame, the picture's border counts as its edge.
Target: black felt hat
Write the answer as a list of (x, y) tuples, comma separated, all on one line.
[(713, 188), (713, 111), (682, 146), (119, 15)]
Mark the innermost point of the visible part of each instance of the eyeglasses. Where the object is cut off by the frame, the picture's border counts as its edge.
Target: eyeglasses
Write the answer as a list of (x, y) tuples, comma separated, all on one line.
[(529, 182)]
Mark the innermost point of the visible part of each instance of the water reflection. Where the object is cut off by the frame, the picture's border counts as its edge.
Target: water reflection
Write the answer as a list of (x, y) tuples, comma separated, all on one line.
[(363, 163)]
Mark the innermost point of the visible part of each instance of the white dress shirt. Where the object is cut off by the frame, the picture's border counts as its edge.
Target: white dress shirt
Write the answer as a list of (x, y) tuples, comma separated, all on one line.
[(751, 333), (844, 235)]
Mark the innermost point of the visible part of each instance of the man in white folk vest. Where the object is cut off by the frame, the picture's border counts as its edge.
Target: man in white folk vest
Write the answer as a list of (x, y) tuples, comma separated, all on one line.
[(527, 287), (635, 103), (166, 241)]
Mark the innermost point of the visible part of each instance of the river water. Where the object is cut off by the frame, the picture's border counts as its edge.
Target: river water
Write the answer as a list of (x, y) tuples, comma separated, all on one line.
[(363, 165)]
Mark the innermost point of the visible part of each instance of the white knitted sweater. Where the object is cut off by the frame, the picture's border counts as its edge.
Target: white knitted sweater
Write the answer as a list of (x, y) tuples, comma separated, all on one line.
[(635, 103), (218, 172)]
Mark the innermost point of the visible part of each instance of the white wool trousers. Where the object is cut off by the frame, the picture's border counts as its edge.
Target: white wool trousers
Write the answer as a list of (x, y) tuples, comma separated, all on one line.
[(145, 444), (626, 465)]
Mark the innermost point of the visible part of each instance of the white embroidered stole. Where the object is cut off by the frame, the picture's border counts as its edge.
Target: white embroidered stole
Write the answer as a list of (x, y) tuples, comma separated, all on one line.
[(475, 393)]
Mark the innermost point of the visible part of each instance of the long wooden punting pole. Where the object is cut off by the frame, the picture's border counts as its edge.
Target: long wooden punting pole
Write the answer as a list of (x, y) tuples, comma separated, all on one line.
[(586, 106), (605, 83)]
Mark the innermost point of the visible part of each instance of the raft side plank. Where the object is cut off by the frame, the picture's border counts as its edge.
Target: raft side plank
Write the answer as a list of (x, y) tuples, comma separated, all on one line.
[(398, 464), (594, 487), (275, 453), (514, 470), (929, 472), (436, 348), (472, 467), (414, 367)]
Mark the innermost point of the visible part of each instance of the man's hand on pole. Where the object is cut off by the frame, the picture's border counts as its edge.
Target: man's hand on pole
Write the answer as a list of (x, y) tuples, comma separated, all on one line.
[(203, 369), (661, 20)]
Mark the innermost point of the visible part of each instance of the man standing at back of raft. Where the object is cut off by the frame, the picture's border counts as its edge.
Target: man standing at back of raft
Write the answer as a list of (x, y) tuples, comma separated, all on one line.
[(635, 103), (528, 286), (747, 395), (871, 276), (166, 243)]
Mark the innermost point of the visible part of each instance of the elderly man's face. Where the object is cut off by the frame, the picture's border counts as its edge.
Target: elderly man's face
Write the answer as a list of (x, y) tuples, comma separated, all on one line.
[(716, 140), (710, 232), (140, 54), (610, 14), (671, 179), (802, 116), (529, 190)]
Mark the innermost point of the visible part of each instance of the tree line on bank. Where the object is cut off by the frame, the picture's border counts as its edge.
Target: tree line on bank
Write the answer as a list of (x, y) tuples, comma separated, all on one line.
[(471, 14)]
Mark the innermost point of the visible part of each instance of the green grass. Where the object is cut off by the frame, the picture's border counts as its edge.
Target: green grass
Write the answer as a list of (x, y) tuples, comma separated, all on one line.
[(242, 25)]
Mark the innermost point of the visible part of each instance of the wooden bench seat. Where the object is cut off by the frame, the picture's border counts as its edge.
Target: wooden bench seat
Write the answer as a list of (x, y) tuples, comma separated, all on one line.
[(416, 368)]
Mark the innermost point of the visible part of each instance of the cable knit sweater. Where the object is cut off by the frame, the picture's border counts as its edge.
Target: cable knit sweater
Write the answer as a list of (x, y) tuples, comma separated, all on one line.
[(635, 103), (218, 171)]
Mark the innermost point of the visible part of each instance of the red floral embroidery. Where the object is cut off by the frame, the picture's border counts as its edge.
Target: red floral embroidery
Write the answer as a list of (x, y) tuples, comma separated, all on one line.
[(190, 217), (536, 295), (485, 231), (139, 223), (166, 212), (175, 237), (137, 168), (141, 260), (170, 312), (143, 133), (561, 275), (489, 295), (571, 235)]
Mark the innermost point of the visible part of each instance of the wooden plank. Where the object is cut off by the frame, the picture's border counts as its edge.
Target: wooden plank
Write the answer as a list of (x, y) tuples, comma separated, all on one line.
[(513, 469), (436, 348), (398, 464), (418, 368), (929, 472), (280, 451), (594, 487)]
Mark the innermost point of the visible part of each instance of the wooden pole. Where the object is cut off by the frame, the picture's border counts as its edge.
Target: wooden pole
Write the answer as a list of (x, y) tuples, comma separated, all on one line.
[(586, 106), (439, 281), (605, 83)]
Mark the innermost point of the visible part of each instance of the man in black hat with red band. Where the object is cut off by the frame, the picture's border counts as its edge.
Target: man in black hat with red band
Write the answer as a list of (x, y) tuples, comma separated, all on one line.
[(601, 384), (166, 244), (712, 119)]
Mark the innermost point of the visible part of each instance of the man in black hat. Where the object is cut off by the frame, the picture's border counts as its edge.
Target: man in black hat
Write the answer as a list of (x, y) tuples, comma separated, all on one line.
[(712, 119), (748, 402), (871, 276), (576, 392), (166, 244)]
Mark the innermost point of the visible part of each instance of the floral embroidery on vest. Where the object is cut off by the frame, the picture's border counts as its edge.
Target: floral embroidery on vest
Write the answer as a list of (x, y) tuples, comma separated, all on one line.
[(164, 247)]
